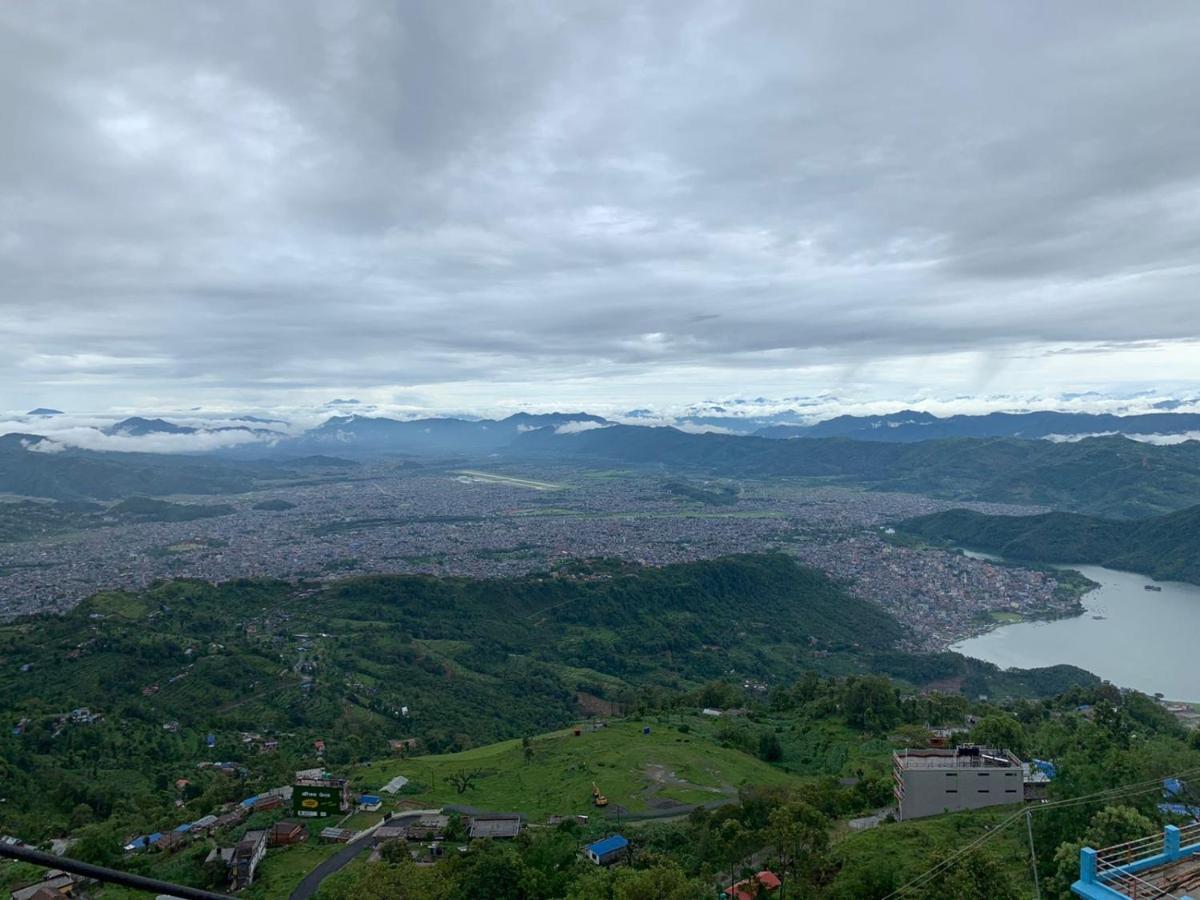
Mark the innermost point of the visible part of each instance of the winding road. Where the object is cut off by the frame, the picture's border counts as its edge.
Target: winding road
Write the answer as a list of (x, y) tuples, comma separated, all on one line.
[(312, 881)]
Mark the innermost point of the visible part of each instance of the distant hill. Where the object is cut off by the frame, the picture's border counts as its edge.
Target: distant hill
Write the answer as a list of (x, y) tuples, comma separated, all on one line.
[(136, 426), (1164, 547), (44, 411), (72, 474), (147, 509), (319, 461), (910, 425), (368, 434), (274, 505), (1111, 476)]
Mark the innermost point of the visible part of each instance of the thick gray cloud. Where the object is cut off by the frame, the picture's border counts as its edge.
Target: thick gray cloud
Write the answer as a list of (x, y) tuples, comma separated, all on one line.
[(427, 202)]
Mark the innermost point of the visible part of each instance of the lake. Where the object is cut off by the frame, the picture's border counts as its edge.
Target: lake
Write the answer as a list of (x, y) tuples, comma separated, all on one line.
[(1147, 640)]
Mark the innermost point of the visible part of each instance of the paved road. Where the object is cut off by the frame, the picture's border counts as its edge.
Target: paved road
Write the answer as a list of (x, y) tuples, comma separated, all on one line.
[(308, 887)]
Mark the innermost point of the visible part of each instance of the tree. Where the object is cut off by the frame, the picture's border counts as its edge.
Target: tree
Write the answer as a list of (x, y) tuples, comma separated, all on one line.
[(717, 694), (82, 815), (401, 880), (491, 871), (870, 704), (733, 845), (99, 844), (769, 748), (395, 852), (800, 834), (1002, 732), (1112, 825), (464, 780), (664, 882), (976, 876)]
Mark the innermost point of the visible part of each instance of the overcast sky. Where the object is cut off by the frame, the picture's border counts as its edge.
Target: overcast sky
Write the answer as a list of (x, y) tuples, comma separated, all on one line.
[(464, 205)]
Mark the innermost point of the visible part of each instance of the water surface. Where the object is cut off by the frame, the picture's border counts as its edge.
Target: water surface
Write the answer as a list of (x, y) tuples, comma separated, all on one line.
[(1147, 640)]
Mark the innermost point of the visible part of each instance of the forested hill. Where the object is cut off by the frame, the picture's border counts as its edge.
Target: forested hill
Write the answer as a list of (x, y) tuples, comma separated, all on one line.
[(32, 466), (1165, 547), (1111, 476), (455, 650), (454, 663)]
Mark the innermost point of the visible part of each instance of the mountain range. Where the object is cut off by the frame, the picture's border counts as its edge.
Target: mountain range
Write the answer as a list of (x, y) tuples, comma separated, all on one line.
[(366, 434), (1111, 476), (912, 425), (138, 426)]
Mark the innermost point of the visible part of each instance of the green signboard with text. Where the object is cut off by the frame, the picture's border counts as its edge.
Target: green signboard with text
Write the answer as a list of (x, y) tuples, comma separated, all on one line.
[(316, 802)]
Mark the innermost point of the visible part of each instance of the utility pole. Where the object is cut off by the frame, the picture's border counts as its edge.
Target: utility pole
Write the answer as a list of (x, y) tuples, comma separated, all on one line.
[(1037, 888)]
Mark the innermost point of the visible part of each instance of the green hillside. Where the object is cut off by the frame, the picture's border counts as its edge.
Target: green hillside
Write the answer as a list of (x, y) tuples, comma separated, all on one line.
[(1164, 547), (28, 469), (665, 771), (456, 663), (805, 799), (148, 509)]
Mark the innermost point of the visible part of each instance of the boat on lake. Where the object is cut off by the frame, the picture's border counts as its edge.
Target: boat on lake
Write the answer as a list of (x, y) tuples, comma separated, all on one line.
[(1152, 587)]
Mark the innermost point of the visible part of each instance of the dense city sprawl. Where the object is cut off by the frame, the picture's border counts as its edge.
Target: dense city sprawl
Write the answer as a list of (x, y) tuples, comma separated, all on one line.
[(392, 518)]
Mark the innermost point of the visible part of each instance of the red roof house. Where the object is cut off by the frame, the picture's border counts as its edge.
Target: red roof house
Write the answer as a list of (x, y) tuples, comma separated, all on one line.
[(749, 888)]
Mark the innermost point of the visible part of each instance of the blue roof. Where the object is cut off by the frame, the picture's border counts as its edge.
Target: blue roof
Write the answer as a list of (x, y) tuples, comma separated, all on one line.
[(138, 843), (369, 798), (185, 827), (1180, 809), (155, 838), (249, 801), (609, 845), (1172, 787)]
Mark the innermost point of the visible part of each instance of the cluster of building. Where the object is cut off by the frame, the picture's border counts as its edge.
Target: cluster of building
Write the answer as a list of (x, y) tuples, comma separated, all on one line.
[(313, 794), (186, 832), (943, 596), (385, 519)]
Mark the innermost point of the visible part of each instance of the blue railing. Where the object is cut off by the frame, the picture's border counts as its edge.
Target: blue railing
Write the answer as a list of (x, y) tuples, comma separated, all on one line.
[(1116, 873)]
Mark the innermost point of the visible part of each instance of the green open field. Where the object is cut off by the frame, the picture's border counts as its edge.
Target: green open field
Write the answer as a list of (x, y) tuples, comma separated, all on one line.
[(1006, 618), (658, 773)]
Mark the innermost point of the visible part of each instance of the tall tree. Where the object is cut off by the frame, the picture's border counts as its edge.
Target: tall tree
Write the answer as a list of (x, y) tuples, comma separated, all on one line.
[(800, 834)]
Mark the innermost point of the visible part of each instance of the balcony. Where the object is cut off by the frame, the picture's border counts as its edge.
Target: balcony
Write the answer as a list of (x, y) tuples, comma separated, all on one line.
[(1160, 867)]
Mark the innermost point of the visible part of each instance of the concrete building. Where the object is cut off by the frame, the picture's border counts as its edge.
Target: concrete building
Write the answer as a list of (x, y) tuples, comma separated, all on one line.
[(428, 828), (246, 856), (930, 782), (496, 825)]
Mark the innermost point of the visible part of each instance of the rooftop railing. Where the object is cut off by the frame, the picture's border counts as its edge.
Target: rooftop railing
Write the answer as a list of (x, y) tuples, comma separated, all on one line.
[(923, 759)]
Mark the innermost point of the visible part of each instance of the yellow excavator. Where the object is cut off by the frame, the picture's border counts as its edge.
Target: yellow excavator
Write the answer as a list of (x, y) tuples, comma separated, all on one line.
[(598, 799)]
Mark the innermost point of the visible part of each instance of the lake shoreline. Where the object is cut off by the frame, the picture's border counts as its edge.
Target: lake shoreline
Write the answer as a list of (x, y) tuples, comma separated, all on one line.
[(1074, 610), (1124, 634)]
